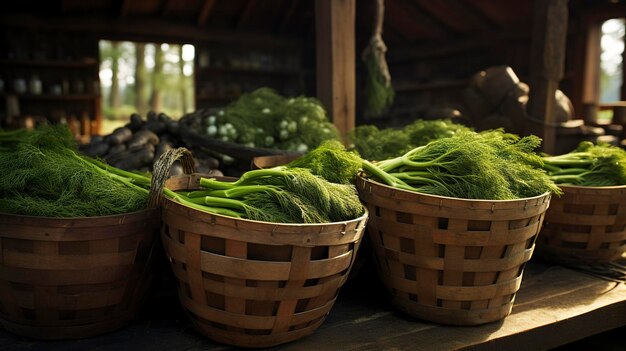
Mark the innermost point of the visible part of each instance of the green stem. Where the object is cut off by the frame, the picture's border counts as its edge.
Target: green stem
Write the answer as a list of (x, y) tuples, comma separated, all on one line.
[(567, 162), (567, 178), (385, 177), (551, 168), (213, 210), (196, 193), (260, 173), (112, 175), (242, 190), (572, 171), (414, 178), (212, 201), (137, 178), (210, 183)]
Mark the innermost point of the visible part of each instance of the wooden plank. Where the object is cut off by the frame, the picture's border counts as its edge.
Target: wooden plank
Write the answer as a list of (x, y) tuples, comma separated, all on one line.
[(205, 12), (591, 73), (166, 7), (144, 29), (554, 306), (413, 23), (334, 22), (245, 14), (555, 296), (547, 65), (124, 7), (288, 15)]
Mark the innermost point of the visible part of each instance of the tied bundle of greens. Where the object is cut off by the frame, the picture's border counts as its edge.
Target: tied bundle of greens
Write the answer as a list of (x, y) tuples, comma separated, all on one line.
[(491, 165), (43, 175), (588, 165), (379, 93), (379, 144), (294, 193)]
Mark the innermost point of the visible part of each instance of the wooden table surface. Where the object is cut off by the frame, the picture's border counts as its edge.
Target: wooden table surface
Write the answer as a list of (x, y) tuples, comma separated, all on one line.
[(554, 306)]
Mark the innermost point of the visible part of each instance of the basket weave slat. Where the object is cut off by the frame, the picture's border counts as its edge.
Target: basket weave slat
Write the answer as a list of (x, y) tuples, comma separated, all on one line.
[(52, 297), (586, 225), (228, 337), (459, 293), (451, 261), (65, 278), (255, 284), (599, 219), (90, 327), (324, 235), (37, 260), (72, 230), (265, 293), (423, 204)]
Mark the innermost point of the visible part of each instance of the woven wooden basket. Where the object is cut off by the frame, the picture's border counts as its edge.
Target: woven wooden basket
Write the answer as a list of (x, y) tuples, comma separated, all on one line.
[(586, 225), (65, 278), (255, 284), (448, 260)]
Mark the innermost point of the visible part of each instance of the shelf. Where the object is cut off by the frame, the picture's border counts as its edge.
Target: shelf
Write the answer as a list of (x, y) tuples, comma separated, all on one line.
[(259, 71), (49, 97), (86, 63)]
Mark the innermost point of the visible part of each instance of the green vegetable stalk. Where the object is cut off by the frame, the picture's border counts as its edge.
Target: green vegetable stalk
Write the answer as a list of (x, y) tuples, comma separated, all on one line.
[(588, 165), (282, 195)]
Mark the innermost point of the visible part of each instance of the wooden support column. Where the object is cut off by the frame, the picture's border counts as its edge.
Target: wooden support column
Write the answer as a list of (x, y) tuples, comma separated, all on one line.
[(547, 64), (335, 47)]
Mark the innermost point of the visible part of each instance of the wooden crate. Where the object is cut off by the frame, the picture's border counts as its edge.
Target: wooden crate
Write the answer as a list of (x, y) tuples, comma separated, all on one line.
[(586, 225), (448, 260), (255, 284), (65, 278)]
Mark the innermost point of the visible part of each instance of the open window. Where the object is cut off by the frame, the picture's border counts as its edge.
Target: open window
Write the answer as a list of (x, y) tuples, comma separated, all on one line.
[(611, 87), (603, 89), (141, 77)]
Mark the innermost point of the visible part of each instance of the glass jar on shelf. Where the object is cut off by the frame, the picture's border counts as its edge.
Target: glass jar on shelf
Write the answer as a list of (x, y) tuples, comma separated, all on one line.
[(78, 86), (35, 86), (19, 85)]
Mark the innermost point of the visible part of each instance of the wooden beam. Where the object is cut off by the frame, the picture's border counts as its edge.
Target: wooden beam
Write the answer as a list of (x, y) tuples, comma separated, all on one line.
[(293, 5), (246, 13), (421, 17), (166, 7), (143, 30), (124, 6), (472, 14), (205, 12), (547, 62), (335, 50)]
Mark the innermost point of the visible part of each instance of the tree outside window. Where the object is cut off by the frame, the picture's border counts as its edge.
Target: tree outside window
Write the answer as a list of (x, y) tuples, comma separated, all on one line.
[(139, 77)]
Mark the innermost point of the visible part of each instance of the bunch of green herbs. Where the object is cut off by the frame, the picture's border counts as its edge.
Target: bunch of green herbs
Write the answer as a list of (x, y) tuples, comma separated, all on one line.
[(295, 193), (44, 175), (490, 165), (588, 165), (373, 143)]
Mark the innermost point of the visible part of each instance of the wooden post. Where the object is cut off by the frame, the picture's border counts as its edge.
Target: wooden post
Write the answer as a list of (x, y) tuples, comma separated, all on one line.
[(335, 47), (547, 64)]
